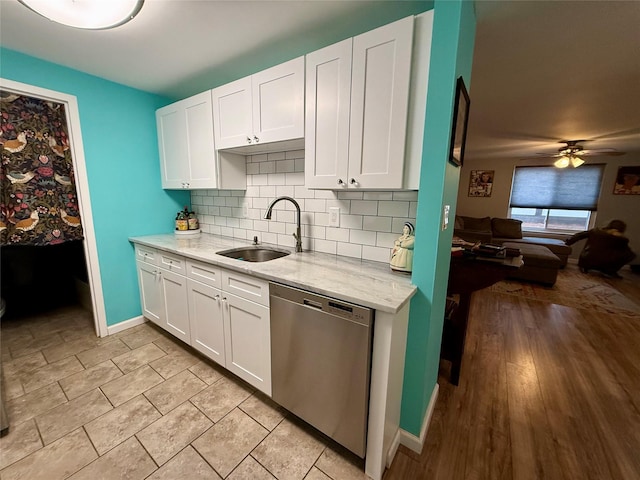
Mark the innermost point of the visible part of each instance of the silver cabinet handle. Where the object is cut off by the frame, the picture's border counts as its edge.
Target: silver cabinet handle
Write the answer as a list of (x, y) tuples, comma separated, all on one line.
[(256, 139), (340, 182), (248, 139)]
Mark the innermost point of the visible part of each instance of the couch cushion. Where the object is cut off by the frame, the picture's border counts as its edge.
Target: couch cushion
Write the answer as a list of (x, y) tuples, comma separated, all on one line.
[(506, 227), (478, 224)]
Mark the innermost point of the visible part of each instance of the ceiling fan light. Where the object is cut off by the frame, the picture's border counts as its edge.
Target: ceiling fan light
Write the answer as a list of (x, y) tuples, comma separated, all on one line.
[(86, 14), (562, 162), (576, 161)]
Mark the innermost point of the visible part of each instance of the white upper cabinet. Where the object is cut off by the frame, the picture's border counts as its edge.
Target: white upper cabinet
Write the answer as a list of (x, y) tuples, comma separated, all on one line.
[(358, 114), (264, 108), (188, 159)]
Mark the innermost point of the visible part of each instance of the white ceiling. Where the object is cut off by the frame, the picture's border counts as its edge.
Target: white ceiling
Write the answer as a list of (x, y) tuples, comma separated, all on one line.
[(543, 71)]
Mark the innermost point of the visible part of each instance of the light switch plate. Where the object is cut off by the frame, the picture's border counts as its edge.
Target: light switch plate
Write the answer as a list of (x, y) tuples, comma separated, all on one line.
[(445, 217), (334, 216)]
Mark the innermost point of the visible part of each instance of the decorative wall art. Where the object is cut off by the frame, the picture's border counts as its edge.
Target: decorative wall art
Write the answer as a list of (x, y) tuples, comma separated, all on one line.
[(460, 120), (627, 181), (481, 183)]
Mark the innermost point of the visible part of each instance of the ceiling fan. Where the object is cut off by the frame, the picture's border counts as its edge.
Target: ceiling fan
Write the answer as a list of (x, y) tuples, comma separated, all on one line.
[(572, 152)]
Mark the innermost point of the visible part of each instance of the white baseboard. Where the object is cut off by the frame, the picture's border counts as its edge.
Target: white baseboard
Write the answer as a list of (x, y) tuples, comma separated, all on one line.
[(132, 322), (409, 440), (393, 448)]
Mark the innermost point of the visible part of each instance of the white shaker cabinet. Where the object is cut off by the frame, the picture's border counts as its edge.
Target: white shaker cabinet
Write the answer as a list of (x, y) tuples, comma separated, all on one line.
[(263, 108), (150, 296), (173, 289), (188, 159), (205, 319), (358, 108)]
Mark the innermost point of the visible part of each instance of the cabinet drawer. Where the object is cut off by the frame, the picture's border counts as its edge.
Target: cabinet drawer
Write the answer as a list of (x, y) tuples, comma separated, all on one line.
[(173, 263), (204, 273), (245, 286), (146, 254)]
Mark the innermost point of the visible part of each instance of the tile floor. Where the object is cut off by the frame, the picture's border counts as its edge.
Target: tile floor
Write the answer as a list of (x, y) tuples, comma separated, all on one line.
[(140, 404)]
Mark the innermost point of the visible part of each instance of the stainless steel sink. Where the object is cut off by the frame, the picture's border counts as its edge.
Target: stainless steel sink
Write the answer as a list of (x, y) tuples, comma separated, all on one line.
[(254, 253)]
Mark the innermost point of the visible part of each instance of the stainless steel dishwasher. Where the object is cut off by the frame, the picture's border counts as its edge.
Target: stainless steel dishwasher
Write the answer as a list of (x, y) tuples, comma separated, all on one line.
[(321, 362)]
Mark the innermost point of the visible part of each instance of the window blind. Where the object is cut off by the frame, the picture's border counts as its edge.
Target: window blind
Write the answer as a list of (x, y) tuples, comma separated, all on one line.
[(551, 187)]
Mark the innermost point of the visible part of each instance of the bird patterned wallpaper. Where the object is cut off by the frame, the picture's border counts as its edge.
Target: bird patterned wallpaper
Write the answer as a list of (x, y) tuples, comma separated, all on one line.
[(38, 199)]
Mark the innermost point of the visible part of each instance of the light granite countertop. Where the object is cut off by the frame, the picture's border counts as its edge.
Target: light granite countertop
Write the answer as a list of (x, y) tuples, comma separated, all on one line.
[(371, 284)]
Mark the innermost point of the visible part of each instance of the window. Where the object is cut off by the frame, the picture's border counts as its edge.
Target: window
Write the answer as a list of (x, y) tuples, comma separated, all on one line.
[(555, 200)]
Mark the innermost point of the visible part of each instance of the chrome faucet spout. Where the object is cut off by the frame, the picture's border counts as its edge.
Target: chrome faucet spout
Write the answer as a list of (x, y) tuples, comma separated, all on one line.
[(297, 235)]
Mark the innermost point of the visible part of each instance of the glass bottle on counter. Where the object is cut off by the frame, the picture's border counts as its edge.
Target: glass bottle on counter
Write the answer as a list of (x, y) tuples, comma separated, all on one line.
[(182, 222)]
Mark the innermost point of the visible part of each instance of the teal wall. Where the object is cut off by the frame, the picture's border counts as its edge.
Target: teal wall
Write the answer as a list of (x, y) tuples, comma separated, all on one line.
[(121, 155), (451, 56)]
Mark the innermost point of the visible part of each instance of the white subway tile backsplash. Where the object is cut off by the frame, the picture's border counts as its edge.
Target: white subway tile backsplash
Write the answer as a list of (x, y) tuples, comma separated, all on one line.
[(376, 224), (364, 207), (362, 237), (369, 221), (393, 208)]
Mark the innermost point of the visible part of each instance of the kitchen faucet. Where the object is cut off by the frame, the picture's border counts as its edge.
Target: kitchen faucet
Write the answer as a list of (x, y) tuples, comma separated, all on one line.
[(296, 235)]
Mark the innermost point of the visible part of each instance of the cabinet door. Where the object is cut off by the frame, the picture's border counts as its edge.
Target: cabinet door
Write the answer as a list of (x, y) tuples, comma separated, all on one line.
[(379, 105), (248, 341), (173, 288), (205, 320), (172, 145), (200, 150), (150, 294), (232, 114), (278, 102), (328, 93)]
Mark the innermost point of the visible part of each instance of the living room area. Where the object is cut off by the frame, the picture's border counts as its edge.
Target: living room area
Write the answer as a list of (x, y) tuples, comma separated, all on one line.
[(549, 384)]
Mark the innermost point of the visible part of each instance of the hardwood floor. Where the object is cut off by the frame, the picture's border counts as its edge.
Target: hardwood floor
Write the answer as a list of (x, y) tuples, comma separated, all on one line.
[(546, 392)]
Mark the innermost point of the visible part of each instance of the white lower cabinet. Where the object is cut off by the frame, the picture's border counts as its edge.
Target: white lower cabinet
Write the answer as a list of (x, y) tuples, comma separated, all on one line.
[(150, 298), (205, 320), (232, 329), (248, 341), (173, 289)]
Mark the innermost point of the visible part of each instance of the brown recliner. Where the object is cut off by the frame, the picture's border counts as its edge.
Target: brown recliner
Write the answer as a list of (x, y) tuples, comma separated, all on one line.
[(604, 251)]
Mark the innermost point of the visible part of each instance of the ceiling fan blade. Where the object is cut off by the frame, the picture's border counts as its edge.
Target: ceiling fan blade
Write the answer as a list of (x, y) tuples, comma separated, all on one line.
[(612, 152)]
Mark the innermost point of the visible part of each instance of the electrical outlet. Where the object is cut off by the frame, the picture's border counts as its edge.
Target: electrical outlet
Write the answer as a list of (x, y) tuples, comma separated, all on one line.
[(245, 210), (334, 216)]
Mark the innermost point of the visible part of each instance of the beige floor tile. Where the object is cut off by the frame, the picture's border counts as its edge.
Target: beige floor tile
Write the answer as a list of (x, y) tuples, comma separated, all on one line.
[(128, 362), (207, 372), (131, 385), (35, 403), (263, 410), (144, 334), (56, 461), (187, 461), (128, 461), (50, 373), (249, 468), (97, 355), (21, 440), (20, 366), (20, 349), (341, 464), (14, 334), (170, 345), (289, 451), (93, 377), (12, 388), (122, 422), (220, 398), (66, 349), (315, 474), (174, 391), (174, 363), (171, 433), (71, 415), (229, 441)]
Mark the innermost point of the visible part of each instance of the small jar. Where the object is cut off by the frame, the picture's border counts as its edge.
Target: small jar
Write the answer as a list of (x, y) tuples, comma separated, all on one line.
[(193, 221), (182, 223)]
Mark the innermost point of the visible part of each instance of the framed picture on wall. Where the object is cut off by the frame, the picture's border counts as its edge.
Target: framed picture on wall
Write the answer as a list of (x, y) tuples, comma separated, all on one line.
[(627, 181), (460, 121), (481, 183)]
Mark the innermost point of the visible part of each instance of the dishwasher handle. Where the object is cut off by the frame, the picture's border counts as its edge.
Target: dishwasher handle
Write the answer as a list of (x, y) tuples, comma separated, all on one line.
[(311, 303)]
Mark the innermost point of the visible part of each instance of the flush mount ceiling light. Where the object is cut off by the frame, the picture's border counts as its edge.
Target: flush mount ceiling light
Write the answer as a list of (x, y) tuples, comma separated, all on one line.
[(87, 14)]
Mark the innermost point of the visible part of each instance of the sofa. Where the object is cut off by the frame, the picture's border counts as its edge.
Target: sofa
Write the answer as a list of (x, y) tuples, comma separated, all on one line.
[(500, 230)]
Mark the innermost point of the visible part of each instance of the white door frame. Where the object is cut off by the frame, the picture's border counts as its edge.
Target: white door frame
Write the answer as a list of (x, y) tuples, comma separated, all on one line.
[(82, 187)]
